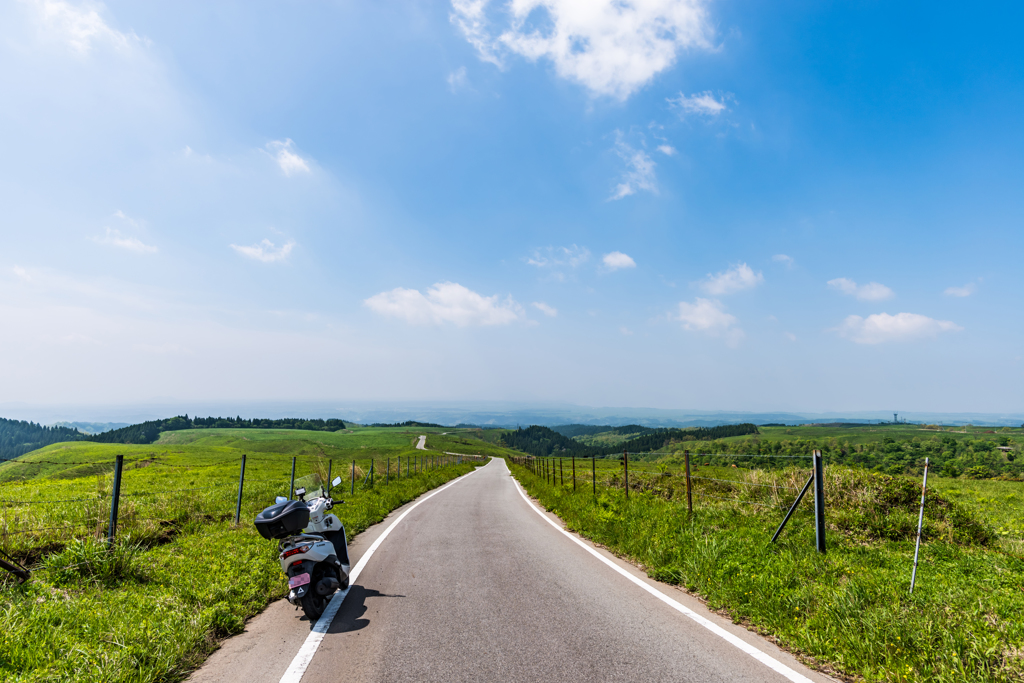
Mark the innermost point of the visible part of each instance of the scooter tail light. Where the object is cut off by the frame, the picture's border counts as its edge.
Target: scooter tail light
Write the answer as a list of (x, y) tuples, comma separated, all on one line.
[(295, 551)]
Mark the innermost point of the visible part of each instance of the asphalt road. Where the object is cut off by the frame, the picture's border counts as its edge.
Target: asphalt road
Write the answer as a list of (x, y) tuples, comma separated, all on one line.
[(474, 585)]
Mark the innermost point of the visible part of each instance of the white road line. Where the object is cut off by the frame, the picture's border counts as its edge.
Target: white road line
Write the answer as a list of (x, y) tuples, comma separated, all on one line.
[(765, 659), (305, 655)]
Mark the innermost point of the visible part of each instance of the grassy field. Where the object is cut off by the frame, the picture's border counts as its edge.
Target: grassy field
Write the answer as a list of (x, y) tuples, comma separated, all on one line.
[(848, 611), (181, 574)]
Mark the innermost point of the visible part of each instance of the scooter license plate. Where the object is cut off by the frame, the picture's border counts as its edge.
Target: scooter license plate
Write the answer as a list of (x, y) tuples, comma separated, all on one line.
[(298, 580)]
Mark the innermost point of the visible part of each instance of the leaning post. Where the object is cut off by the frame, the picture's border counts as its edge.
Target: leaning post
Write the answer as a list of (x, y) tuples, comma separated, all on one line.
[(291, 486), (114, 500), (241, 484)]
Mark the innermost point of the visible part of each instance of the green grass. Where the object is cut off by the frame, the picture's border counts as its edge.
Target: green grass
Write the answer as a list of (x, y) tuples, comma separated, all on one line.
[(181, 575), (849, 610)]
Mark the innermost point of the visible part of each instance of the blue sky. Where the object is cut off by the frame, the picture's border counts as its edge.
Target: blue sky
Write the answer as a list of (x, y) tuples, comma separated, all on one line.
[(697, 205)]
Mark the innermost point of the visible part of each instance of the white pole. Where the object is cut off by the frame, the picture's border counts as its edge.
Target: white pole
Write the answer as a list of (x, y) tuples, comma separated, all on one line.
[(920, 522)]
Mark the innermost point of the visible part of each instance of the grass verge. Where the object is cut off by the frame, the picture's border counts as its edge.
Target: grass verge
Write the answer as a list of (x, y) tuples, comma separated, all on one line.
[(181, 575), (848, 611)]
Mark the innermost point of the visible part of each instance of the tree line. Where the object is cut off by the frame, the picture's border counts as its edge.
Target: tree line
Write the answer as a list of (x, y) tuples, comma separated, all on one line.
[(542, 441), (18, 437)]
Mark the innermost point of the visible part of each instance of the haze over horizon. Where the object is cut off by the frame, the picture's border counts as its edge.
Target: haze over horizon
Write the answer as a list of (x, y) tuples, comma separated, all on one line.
[(671, 204)]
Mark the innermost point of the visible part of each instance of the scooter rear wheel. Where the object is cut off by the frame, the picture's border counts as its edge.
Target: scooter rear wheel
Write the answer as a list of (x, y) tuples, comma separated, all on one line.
[(314, 605)]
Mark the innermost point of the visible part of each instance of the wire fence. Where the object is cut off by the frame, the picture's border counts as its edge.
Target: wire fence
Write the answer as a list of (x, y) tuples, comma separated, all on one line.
[(731, 479), (133, 498)]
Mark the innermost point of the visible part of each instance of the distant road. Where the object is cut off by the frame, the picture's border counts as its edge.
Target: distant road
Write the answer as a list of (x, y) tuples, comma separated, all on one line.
[(476, 585), (422, 445)]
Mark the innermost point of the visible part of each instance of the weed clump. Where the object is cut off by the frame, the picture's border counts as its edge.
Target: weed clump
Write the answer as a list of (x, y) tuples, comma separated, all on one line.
[(92, 561), (870, 506)]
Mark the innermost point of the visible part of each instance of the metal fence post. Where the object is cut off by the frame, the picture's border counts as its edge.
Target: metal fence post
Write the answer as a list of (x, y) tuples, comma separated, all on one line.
[(689, 484), (920, 523), (625, 465), (329, 463), (593, 472), (241, 483), (353, 477), (115, 499), (291, 486), (819, 502)]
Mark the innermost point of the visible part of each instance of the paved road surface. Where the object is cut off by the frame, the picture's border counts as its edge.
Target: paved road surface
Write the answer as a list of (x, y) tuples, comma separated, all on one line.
[(422, 445), (474, 585)]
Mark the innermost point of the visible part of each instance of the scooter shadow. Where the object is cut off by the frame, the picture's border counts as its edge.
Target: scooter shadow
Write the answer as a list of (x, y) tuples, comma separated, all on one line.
[(349, 617)]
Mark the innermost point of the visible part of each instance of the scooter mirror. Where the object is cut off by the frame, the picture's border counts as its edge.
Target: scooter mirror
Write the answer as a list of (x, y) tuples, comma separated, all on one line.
[(280, 499), (299, 493), (337, 480)]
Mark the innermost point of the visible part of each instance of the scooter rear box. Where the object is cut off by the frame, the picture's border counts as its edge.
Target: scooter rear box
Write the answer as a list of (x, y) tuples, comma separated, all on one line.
[(283, 519)]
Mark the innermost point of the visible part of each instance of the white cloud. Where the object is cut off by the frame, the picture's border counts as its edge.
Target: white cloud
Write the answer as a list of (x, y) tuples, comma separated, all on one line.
[(115, 239), (705, 315), (966, 290), (626, 331), (22, 274), (702, 104), (784, 260), (790, 336), (285, 156), (445, 302), (667, 150), (882, 327), (81, 28), (617, 260), (265, 251), (611, 47), (639, 174), (457, 79), (549, 311), (736, 279), (557, 257), (872, 291)]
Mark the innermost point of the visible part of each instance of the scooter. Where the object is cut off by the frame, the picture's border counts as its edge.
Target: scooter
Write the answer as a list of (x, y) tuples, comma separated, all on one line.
[(313, 548)]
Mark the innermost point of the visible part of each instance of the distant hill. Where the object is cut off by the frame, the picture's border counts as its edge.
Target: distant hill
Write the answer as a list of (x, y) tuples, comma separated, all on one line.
[(92, 427), (542, 441), (574, 430), (18, 437)]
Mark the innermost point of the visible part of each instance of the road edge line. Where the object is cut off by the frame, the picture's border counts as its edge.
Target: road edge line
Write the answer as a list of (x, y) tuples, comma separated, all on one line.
[(309, 647), (739, 643)]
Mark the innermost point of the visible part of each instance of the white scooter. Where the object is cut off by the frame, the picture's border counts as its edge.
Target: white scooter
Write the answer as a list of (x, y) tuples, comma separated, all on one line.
[(313, 548)]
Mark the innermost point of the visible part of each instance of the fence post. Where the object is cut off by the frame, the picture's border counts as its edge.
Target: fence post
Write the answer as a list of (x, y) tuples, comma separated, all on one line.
[(291, 486), (593, 472), (920, 522), (115, 498), (819, 502), (574, 472), (625, 465), (353, 478), (371, 473), (329, 463), (241, 483), (689, 485)]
